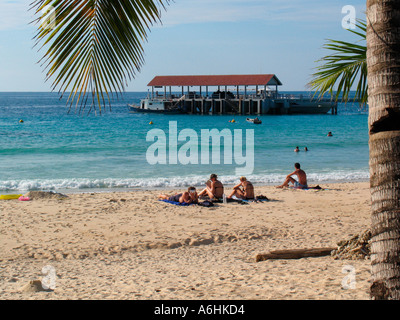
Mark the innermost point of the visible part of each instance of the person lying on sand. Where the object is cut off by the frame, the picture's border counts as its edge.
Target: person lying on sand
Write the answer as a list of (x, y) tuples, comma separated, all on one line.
[(189, 197), (214, 188), (244, 190), (301, 184)]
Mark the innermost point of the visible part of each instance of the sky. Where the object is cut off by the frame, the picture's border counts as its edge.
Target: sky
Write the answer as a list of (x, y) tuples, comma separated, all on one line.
[(200, 37)]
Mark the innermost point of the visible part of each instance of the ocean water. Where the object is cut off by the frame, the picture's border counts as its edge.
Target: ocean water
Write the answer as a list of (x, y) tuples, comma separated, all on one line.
[(71, 152)]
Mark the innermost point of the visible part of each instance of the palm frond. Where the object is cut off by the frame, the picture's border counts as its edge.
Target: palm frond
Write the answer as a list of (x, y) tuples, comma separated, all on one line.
[(95, 47), (345, 66)]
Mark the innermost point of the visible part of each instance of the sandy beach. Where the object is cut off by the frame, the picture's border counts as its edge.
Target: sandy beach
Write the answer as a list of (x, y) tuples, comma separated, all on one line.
[(129, 245)]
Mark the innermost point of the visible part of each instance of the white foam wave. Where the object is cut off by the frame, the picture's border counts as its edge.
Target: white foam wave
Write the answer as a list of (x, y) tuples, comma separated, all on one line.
[(175, 182)]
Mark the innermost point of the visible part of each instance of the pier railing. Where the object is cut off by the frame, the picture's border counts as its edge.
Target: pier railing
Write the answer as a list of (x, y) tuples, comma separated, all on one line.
[(214, 96), (241, 96)]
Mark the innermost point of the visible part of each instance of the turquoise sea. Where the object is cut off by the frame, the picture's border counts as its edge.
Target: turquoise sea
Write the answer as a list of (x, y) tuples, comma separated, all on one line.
[(54, 150)]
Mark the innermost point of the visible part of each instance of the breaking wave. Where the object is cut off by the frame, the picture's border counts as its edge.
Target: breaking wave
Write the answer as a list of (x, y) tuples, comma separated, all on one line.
[(82, 184)]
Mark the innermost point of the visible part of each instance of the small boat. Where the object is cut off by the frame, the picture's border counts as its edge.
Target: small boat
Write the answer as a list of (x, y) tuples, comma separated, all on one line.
[(255, 121), (309, 107), (137, 109), (156, 106)]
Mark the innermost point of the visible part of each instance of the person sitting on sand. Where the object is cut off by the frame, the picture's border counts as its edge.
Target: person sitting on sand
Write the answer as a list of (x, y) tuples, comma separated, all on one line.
[(189, 197), (244, 190), (214, 188), (301, 184)]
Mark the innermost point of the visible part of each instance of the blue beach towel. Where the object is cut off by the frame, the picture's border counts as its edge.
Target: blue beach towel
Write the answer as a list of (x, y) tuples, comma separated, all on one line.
[(176, 203)]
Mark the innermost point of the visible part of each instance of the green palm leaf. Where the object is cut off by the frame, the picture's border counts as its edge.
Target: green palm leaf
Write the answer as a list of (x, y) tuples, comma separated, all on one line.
[(95, 47), (343, 68)]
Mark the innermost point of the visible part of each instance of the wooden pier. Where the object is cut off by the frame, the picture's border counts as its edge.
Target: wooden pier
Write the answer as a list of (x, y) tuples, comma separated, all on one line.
[(234, 94), (255, 105)]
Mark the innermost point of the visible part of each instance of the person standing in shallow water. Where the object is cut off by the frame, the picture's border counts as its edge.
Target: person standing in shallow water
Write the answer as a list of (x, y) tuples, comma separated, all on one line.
[(301, 175)]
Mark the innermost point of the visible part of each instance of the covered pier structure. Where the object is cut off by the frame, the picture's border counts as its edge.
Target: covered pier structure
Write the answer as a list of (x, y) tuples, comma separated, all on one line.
[(224, 94)]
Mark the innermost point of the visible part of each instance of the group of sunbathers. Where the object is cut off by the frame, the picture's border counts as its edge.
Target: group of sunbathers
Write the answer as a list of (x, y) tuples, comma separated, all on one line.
[(214, 189)]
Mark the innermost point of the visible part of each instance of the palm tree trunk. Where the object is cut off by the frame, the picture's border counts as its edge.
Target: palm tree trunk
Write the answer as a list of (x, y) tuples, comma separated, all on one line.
[(383, 59)]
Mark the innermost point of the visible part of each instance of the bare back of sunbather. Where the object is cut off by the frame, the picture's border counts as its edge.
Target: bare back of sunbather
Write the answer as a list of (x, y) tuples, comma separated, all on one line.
[(217, 188), (248, 190)]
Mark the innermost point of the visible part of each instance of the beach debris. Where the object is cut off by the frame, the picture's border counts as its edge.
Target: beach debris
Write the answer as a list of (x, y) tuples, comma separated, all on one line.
[(294, 254), (34, 286), (357, 248), (37, 195)]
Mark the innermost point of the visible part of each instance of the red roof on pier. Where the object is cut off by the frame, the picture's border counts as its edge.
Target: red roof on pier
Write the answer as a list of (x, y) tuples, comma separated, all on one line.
[(227, 80)]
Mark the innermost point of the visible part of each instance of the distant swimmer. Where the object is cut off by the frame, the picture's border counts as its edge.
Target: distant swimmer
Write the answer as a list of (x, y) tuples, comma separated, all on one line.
[(330, 134), (305, 149), (297, 149)]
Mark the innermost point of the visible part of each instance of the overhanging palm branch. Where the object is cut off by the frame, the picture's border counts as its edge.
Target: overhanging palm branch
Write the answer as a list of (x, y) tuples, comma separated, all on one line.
[(340, 70), (95, 46)]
